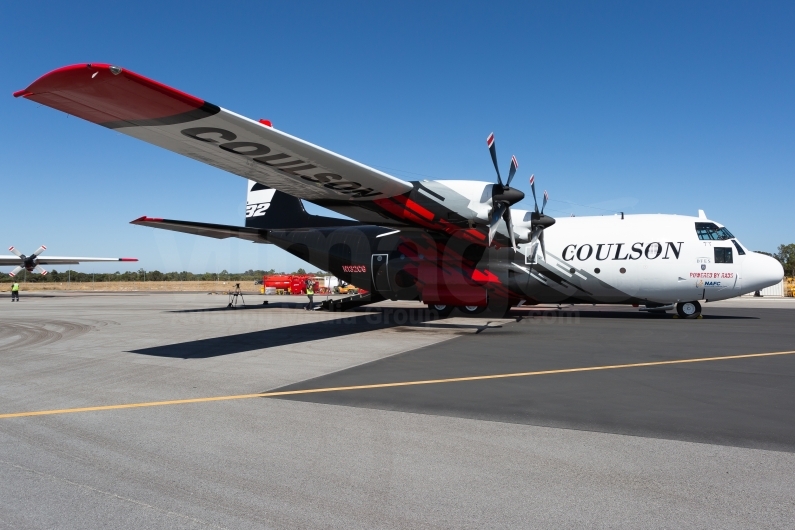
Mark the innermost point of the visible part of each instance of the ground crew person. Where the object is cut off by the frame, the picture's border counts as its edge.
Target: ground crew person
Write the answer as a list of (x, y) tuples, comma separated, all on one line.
[(310, 292), (15, 291)]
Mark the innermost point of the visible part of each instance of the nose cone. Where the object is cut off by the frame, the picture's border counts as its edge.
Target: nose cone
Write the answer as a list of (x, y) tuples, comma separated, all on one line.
[(760, 271)]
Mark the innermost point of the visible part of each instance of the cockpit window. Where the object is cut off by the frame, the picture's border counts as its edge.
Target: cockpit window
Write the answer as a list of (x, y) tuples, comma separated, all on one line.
[(711, 232), (723, 255), (740, 250)]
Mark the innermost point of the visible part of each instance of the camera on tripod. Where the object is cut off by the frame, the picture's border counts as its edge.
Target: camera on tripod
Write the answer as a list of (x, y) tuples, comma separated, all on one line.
[(235, 295)]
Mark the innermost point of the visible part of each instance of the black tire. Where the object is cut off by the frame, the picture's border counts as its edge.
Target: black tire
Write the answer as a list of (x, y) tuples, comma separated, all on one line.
[(472, 310), (688, 309), (441, 309)]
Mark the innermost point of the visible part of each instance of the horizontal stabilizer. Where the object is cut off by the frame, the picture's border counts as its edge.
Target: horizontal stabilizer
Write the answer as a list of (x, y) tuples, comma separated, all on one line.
[(256, 235)]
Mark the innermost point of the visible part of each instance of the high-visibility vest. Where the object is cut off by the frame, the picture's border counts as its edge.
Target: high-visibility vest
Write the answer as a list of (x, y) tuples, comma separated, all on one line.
[(309, 289), (15, 287)]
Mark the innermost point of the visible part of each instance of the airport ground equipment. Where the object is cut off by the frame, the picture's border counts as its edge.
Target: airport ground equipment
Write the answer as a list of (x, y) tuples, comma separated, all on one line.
[(348, 288), (290, 283)]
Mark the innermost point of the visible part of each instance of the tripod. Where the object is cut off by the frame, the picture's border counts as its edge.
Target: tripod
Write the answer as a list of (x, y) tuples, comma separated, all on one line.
[(233, 296)]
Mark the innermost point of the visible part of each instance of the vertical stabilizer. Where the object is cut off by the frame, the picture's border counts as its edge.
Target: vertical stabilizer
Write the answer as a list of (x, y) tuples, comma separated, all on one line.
[(272, 209)]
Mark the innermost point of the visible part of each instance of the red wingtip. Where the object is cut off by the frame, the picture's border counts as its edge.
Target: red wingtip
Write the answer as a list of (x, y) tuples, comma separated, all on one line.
[(145, 219), (110, 95), (24, 92), (128, 259)]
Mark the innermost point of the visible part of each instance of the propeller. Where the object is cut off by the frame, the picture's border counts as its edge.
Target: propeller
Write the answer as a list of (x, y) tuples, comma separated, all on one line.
[(502, 195), (539, 222), (29, 263)]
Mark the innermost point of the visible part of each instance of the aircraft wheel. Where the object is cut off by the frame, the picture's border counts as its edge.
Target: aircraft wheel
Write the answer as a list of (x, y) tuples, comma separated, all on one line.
[(442, 310), (688, 309), (471, 310)]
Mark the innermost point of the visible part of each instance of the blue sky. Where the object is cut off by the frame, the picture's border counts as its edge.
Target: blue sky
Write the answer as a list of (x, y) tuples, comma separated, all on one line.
[(632, 106)]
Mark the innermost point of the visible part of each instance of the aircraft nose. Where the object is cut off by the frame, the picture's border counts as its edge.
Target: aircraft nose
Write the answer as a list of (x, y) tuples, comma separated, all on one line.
[(760, 271)]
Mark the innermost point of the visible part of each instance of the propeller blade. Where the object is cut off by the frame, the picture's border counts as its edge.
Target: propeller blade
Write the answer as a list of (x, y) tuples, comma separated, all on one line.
[(40, 270), (546, 198), (534, 243), (533, 187), (16, 271), (506, 216), (16, 252), (39, 251), (493, 151), (496, 214), (541, 240), (512, 172)]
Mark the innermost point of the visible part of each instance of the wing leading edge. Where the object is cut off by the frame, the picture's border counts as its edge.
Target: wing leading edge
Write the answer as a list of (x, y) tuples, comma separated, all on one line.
[(155, 113)]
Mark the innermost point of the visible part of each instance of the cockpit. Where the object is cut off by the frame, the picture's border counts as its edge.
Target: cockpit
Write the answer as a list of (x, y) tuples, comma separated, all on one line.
[(713, 232)]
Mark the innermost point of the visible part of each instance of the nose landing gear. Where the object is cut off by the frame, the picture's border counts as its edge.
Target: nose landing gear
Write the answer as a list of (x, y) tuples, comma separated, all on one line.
[(688, 309)]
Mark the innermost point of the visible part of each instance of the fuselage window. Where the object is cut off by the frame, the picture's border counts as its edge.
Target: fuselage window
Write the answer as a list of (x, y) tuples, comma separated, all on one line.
[(711, 232), (723, 255), (740, 250)]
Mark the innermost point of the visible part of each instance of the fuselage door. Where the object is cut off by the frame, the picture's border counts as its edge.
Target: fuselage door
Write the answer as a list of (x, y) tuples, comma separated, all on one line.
[(379, 265)]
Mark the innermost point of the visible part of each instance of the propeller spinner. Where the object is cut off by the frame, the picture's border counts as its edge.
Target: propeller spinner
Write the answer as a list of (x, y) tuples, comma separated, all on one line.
[(539, 222), (29, 263), (503, 196)]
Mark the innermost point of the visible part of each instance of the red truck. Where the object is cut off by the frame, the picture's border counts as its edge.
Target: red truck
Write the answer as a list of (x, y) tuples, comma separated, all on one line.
[(290, 283)]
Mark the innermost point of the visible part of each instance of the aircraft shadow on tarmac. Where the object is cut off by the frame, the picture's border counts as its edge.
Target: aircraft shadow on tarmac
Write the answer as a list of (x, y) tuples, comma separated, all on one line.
[(359, 321), (277, 305), (225, 308), (346, 324), (629, 314), (590, 312)]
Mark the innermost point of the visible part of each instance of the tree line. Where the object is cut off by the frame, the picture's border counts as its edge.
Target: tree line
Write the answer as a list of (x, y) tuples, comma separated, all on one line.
[(141, 275)]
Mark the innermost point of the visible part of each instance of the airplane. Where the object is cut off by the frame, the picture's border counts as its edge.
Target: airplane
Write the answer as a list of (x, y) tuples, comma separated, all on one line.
[(448, 243), (33, 263)]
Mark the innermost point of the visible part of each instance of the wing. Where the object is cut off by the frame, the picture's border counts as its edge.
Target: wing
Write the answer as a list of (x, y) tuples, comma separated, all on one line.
[(145, 109), (256, 235), (58, 260)]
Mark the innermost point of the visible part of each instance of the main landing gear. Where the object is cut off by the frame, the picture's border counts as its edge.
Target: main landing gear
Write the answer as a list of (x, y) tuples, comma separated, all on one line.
[(444, 310), (688, 309), (471, 310)]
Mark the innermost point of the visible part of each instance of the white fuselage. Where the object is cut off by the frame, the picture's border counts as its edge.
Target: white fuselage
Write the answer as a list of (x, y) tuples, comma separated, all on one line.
[(659, 258)]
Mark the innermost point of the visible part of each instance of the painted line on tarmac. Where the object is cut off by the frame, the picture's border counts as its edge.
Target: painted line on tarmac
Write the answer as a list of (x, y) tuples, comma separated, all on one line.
[(388, 385)]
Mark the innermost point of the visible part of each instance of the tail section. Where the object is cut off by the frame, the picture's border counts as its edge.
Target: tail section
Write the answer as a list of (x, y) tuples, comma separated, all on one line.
[(271, 209)]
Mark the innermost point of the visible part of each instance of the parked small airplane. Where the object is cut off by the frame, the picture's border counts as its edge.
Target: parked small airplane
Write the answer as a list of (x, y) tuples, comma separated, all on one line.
[(448, 243), (33, 262)]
